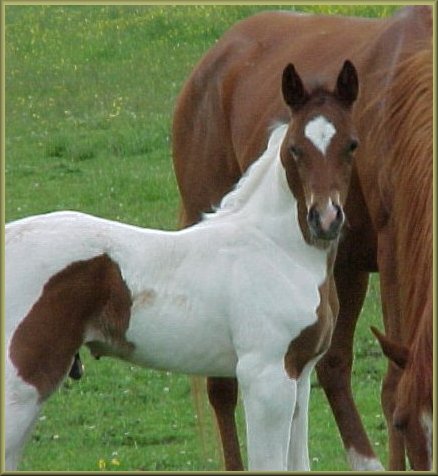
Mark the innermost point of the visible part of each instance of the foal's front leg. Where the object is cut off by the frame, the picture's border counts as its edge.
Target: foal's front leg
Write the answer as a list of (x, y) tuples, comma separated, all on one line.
[(269, 397), (298, 446)]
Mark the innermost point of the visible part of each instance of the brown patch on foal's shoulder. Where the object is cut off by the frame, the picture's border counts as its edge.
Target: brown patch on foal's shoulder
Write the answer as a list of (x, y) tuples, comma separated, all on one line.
[(315, 339), (311, 342), (89, 294)]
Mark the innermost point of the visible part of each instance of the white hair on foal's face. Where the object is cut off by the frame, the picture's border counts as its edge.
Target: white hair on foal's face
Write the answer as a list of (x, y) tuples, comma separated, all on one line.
[(320, 132)]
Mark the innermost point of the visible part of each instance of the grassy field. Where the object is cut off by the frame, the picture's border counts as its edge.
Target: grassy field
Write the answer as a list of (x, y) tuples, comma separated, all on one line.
[(90, 92)]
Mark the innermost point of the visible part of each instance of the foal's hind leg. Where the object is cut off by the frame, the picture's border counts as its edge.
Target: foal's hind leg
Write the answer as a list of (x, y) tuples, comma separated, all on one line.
[(21, 410), (222, 394), (334, 369)]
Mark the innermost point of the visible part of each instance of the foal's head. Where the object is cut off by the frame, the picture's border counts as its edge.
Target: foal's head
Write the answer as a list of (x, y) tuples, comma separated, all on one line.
[(318, 150)]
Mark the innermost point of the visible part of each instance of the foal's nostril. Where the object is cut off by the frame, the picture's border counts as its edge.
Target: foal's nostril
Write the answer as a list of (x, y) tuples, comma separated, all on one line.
[(313, 215), (313, 218)]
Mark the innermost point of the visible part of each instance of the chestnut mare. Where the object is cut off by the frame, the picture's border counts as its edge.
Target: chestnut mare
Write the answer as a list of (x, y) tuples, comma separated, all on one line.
[(221, 124), (248, 292)]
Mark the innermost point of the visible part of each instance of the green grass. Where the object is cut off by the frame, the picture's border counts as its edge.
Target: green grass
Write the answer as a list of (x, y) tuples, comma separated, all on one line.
[(90, 92)]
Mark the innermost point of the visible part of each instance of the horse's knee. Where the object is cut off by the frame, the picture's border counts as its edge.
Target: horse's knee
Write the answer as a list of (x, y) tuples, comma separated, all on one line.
[(334, 371), (267, 387), (222, 392)]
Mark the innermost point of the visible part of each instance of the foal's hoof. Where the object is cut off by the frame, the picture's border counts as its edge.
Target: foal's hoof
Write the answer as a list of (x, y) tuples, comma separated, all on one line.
[(77, 369)]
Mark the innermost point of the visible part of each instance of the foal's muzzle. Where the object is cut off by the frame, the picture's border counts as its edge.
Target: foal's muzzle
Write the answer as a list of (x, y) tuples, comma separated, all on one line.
[(325, 224)]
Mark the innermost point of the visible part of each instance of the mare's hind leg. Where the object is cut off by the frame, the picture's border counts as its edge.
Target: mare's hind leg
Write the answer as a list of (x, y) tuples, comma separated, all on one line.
[(334, 369), (222, 394)]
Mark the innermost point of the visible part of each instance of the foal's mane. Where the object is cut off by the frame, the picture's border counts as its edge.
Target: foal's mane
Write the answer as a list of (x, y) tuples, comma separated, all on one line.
[(249, 181)]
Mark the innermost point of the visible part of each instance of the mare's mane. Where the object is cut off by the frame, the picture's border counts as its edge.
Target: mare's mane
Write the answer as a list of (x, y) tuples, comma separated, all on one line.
[(405, 126), (409, 127), (249, 181)]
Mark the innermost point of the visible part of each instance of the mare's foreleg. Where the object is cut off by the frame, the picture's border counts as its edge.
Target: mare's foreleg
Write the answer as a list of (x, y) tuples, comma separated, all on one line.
[(334, 369), (391, 316), (269, 397), (222, 394), (396, 445)]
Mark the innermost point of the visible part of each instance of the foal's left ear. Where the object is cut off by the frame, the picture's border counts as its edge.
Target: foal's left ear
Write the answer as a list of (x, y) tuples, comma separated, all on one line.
[(347, 84)]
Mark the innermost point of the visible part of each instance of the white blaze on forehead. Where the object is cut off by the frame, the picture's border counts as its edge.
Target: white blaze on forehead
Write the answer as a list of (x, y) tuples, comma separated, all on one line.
[(320, 132)]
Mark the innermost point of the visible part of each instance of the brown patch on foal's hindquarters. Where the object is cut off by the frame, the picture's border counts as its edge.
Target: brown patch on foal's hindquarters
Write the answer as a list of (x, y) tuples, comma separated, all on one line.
[(89, 294)]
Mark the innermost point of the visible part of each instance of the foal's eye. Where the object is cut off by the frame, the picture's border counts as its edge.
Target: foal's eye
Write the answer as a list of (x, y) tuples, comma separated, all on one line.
[(295, 152)]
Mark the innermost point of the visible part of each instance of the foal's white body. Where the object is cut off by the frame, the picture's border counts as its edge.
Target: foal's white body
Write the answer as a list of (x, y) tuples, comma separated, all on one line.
[(222, 298)]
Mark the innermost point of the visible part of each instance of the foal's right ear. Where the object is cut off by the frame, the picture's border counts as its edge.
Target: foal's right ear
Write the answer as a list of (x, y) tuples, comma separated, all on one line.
[(347, 84), (293, 89)]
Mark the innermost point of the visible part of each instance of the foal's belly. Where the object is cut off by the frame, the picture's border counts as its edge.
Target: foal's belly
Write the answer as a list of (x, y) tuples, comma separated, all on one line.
[(172, 335)]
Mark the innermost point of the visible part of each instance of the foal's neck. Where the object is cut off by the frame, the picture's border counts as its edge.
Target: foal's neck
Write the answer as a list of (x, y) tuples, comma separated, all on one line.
[(273, 209)]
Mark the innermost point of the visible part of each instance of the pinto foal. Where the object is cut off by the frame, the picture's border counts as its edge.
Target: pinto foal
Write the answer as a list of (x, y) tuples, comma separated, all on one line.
[(248, 292)]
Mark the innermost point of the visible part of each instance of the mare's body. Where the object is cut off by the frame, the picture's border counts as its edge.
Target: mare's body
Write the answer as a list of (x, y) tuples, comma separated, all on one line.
[(221, 124)]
